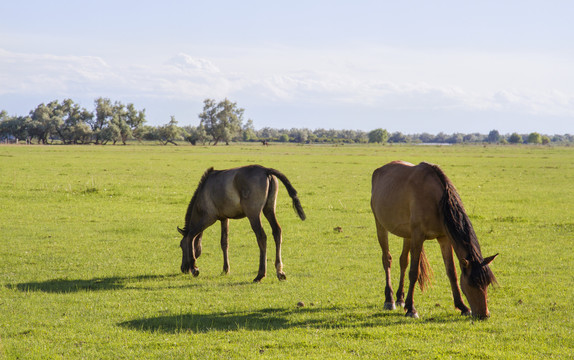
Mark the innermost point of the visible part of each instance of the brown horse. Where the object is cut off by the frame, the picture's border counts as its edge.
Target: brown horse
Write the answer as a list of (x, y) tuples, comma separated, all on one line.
[(235, 194), (419, 203)]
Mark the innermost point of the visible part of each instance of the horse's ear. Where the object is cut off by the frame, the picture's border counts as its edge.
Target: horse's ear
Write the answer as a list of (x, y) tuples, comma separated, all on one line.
[(488, 260), (180, 231)]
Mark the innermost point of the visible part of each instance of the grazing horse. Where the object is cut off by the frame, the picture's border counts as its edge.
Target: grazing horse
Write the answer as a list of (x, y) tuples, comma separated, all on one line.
[(419, 203), (235, 194)]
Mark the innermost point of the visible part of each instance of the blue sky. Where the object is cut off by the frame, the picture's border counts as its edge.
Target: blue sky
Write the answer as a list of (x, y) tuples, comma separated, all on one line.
[(410, 66)]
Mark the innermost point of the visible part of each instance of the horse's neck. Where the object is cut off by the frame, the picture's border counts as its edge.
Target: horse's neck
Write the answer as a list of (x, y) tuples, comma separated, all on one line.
[(461, 251)]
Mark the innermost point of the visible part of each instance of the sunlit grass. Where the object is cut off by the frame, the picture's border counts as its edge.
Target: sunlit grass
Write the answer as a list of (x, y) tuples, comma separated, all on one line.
[(89, 257)]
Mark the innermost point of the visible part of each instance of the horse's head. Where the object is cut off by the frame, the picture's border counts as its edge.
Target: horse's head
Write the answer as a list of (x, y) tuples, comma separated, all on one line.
[(185, 247), (474, 281), (190, 250)]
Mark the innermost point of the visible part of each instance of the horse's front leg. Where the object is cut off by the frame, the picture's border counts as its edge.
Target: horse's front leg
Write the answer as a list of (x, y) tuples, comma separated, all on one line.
[(195, 251), (197, 245), (416, 249), (262, 242), (225, 244), (447, 256)]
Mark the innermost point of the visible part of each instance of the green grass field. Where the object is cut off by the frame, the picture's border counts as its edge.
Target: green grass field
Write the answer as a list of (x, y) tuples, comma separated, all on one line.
[(89, 257)]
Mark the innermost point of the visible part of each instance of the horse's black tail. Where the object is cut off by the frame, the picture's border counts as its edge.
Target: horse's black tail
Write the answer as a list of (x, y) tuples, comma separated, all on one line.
[(291, 190)]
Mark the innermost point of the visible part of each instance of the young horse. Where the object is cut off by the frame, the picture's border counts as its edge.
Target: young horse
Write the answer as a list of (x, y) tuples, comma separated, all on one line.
[(419, 203), (235, 194)]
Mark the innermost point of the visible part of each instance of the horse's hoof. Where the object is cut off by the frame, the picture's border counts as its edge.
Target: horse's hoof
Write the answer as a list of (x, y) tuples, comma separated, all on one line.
[(412, 314), (195, 272), (258, 279), (389, 306), (281, 276), (400, 304), (466, 313)]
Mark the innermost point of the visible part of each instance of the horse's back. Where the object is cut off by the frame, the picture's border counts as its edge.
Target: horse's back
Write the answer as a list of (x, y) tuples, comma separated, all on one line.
[(405, 196), (234, 193)]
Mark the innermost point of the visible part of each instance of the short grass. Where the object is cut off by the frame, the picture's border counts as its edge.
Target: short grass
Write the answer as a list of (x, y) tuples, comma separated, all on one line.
[(89, 257)]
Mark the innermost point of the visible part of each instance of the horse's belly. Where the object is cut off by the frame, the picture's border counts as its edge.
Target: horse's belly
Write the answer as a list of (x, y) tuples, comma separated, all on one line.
[(235, 212), (405, 225), (401, 230)]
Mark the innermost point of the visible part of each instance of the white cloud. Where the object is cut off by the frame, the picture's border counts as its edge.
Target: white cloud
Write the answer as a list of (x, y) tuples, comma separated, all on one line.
[(188, 64), (388, 79), (45, 73), (544, 102)]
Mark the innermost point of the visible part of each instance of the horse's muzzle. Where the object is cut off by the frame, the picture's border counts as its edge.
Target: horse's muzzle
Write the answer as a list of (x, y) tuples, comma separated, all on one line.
[(482, 316)]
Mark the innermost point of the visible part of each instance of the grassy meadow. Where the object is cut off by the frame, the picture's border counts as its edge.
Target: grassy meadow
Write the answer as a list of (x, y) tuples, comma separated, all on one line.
[(89, 257)]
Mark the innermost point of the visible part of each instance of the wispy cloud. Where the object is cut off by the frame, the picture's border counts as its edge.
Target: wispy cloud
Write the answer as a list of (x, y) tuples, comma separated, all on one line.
[(350, 81)]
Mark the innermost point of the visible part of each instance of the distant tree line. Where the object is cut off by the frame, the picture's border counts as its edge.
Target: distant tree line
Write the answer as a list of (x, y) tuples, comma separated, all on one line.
[(68, 123), (219, 122)]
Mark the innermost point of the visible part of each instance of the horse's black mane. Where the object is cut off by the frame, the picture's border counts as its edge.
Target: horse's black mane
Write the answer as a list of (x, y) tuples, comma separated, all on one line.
[(194, 199), (461, 231)]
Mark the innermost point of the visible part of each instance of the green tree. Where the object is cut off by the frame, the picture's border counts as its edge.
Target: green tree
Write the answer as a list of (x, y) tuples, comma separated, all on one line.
[(515, 138), (81, 133), (545, 140), (378, 136), (196, 134), (112, 133), (146, 132), (426, 137), (170, 133), (268, 134), (119, 127), (16, 126), (222, 121), (493, 137), (44, 121), (72, 123), (116, 122), (248, 131), (103, 115), (135, 118), (398, 137), (129, 120), (535, 138), (300, 136), (4, 128)]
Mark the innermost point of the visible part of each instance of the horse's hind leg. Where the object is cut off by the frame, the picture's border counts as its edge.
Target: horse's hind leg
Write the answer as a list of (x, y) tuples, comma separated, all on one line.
[(383, 236), (225, 244), (269, 213), (446, 250), (404, 262), (262, 242)]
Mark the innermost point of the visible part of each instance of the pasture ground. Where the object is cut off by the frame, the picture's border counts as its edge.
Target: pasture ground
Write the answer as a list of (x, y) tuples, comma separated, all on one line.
[(89, 257)]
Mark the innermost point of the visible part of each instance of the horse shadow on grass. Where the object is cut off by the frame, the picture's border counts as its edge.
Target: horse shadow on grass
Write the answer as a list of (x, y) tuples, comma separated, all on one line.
[(279, 319), (77, 285)]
